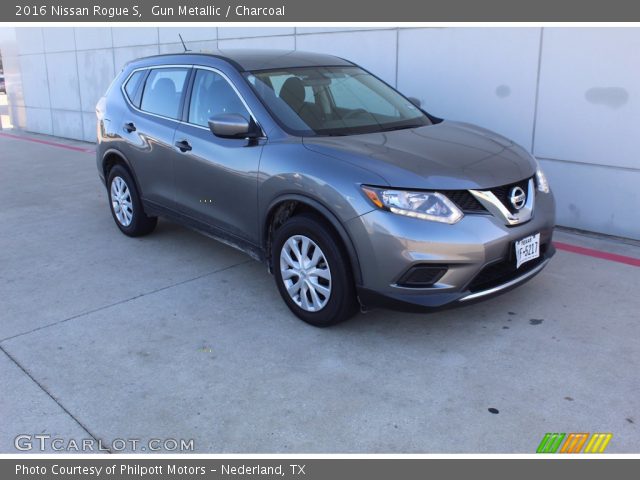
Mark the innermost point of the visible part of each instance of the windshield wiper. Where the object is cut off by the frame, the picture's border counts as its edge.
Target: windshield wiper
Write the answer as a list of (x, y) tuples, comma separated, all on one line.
[(331, 133), (365, 130), (400, 127)]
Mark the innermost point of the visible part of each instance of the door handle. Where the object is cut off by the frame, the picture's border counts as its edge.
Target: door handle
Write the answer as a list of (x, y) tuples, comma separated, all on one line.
[(129, 127), (183, 146)]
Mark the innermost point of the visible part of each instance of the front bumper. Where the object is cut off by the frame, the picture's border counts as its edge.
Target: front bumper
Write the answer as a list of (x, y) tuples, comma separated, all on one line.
[(477, 253)]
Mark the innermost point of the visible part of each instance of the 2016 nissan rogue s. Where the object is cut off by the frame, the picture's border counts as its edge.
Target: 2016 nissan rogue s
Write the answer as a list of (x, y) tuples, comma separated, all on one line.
[(350, 192)]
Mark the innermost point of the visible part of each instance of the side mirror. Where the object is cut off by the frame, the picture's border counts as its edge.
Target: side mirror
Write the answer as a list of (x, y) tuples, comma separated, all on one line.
[(415, 101), (230, 125)]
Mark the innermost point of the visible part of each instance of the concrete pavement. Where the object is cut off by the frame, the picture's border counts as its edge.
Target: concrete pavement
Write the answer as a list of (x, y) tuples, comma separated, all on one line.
[(175, 336)]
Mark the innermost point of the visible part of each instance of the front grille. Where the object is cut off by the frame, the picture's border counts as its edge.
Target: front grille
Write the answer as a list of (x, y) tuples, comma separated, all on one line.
[(469, 204), (465, 201), (502, 193), (501, 272)]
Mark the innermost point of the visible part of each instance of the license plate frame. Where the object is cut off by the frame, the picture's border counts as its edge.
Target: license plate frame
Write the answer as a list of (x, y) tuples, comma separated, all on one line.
[(527, 249)]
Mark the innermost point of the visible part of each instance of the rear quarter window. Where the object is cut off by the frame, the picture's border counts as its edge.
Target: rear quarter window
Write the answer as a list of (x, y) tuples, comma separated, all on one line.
[(132, 84)]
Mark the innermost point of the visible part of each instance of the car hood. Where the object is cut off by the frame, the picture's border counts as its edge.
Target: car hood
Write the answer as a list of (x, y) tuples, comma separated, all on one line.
[(444, 156)]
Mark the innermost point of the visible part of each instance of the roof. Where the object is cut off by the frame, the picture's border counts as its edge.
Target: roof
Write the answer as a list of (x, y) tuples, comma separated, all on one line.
[(254, 59)]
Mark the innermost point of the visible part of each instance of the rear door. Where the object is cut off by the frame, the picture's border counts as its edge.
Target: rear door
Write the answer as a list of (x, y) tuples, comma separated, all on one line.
[(149, 127), (217, 178)]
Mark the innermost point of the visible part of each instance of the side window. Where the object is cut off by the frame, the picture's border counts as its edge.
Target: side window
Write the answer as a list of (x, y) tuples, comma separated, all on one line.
[(212, 95), (163, 90), (131, 87)]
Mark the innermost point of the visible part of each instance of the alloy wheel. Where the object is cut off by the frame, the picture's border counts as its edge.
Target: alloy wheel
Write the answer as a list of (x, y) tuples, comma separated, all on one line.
[(121, 201), (305, 273)]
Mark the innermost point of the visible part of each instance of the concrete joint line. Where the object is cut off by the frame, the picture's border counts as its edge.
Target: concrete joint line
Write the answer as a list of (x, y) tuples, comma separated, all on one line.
[(121, 302), (50, 395)]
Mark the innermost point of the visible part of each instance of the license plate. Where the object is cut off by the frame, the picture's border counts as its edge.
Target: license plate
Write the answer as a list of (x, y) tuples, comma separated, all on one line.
[(527, 249)]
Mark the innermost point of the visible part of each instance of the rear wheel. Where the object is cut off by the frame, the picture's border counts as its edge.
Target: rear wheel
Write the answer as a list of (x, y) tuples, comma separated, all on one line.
[(126, 206), (312, 272)]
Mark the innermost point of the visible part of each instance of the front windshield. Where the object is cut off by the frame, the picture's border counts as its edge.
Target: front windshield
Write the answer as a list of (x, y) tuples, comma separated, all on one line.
[(333, 101)]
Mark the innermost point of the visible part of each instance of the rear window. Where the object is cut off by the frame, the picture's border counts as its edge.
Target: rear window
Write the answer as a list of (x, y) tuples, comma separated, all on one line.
[(163, 91)]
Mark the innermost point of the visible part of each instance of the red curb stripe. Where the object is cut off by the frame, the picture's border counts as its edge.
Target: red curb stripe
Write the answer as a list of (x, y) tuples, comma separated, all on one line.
[(590, 252), (46, 142)]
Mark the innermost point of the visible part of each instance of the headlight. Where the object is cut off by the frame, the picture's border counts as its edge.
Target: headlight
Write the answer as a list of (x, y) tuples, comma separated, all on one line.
[(432, 206), (541, 181)]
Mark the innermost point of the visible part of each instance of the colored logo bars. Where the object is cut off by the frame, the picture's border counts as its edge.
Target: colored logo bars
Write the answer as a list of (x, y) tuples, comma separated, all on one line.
[(573, 443)]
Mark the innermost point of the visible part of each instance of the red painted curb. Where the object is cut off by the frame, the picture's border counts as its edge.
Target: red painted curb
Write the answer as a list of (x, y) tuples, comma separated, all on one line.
[(590, 252), (46, 142)]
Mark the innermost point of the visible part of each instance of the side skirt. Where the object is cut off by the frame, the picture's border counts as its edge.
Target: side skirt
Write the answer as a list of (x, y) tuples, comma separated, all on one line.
[(211, 231)]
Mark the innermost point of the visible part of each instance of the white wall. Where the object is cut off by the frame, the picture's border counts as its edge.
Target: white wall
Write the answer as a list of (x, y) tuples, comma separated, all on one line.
[(569, 95)]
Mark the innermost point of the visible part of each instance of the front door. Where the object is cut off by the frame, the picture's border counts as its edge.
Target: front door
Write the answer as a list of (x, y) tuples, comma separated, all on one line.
[(217, 178)]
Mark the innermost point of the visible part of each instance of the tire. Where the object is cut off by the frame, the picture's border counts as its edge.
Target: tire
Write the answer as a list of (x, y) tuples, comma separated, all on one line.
[(330, 273), (125, 204)]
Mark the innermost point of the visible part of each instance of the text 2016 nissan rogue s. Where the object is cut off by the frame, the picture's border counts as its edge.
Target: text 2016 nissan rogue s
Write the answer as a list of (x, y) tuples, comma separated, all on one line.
[(348, 191)]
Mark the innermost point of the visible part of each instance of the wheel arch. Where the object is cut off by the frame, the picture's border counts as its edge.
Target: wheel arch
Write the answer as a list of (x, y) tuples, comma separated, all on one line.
[(285, 206), (113, 157)]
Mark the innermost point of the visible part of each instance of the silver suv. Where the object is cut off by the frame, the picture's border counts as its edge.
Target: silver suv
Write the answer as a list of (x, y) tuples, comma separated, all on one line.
[(351, 193)]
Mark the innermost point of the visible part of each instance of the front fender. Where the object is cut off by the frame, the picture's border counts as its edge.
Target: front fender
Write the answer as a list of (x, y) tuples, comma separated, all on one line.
[(288, 171)]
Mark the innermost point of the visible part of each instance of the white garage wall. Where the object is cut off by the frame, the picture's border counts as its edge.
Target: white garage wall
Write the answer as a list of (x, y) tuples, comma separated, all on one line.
[(569, 95), (484, 76), (588, 126)]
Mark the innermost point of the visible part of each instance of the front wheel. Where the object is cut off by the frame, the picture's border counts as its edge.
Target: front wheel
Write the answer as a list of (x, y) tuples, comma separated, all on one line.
[(312, 271)]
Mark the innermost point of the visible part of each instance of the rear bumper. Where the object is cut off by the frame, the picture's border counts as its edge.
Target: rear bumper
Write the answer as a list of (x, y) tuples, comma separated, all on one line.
[(434, 301)]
